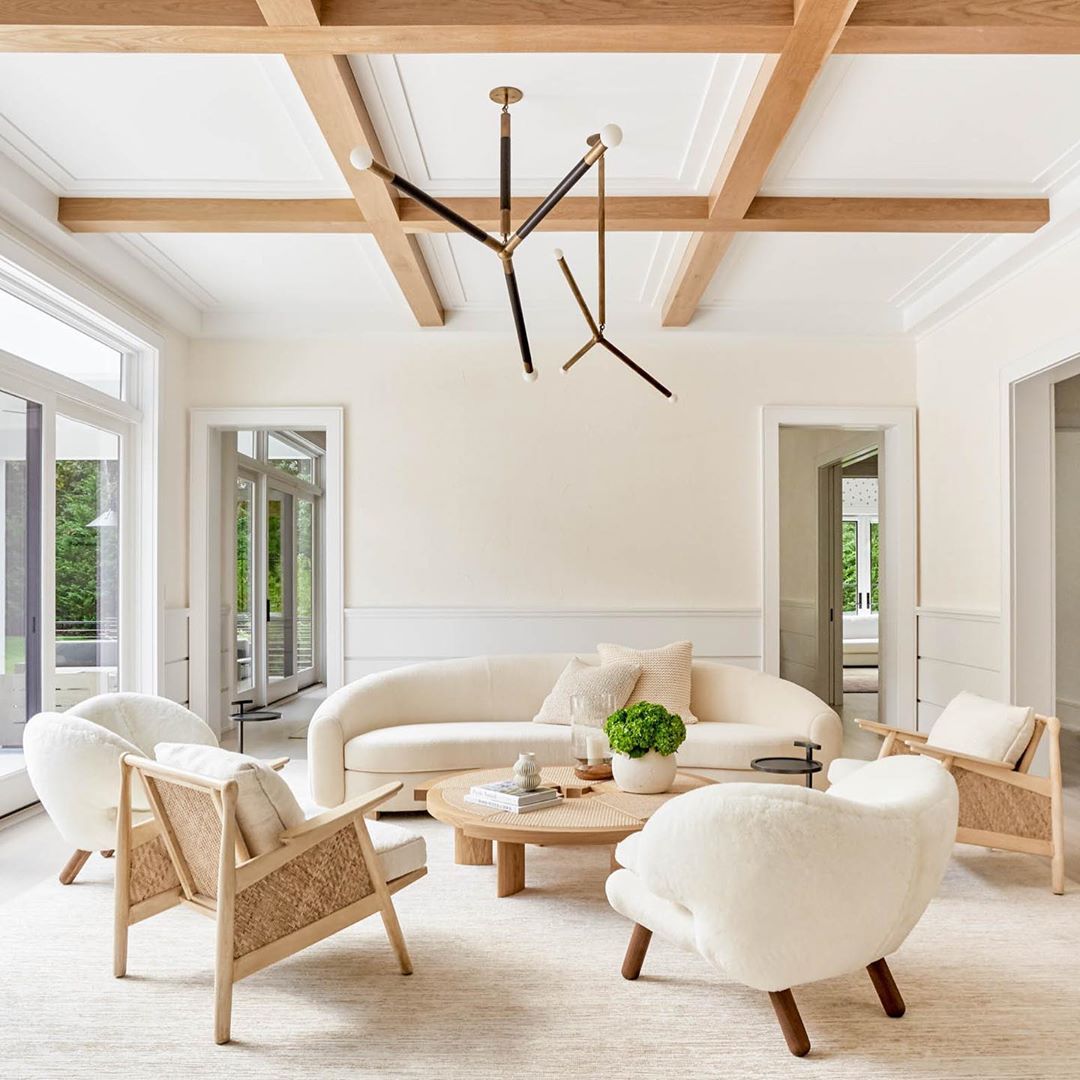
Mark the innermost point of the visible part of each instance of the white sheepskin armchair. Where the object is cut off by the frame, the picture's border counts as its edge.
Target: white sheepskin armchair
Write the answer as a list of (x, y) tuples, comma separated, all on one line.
[(73, 759), (780, 886)]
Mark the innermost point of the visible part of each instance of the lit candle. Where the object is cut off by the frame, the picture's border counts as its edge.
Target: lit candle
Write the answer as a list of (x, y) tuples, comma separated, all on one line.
[(596, 749)]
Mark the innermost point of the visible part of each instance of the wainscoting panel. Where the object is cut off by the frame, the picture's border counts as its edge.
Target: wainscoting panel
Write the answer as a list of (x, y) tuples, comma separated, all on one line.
[(175, 683), (798, 643), (958, 650), (380, 638)]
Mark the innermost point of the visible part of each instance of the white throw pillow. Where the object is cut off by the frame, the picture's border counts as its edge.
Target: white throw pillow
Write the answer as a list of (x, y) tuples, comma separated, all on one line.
[(988, 729), (591, 680), (265, 805), (665, 675)]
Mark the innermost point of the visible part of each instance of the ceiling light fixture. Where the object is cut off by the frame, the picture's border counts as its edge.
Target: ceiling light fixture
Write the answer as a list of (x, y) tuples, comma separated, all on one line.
[(610, 136), (597, 325)]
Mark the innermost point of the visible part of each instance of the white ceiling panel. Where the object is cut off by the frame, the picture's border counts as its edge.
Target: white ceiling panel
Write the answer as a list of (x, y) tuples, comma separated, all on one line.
[(301, 273), (542, 285), (976, 125), (439, 127), (163, 125), (824, 267)]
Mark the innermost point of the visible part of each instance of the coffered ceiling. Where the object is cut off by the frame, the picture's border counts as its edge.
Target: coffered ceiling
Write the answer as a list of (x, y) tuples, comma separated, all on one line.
[(192, 126)]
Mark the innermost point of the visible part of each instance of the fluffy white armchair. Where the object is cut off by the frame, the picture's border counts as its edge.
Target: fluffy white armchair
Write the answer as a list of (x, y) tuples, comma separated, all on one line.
[(73, 759), (779, 886)]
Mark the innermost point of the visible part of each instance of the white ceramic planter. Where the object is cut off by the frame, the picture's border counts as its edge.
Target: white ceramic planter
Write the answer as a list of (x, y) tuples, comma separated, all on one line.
[(650, 774)]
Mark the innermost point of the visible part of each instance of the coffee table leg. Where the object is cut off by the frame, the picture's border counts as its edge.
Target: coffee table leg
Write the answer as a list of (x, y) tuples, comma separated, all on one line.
[(468, 851), (511, 868)]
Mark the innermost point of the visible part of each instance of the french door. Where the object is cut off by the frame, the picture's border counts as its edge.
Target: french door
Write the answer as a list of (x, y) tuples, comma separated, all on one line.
[(276, 520)]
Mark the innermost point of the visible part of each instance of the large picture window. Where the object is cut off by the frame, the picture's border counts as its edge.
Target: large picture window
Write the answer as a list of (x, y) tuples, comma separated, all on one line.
[(860, 564)]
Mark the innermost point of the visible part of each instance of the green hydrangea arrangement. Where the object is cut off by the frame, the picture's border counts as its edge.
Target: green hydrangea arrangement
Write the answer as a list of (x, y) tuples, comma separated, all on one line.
[(636, 730)]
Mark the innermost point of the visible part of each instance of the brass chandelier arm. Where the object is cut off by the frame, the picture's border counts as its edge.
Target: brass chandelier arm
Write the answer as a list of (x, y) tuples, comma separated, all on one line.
[(601, 246), (580, 353), (564, 267), (519, 317), (655, 383)]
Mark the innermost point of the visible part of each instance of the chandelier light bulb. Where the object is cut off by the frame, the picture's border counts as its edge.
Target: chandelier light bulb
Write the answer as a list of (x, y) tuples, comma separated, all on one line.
[(361, 158), (558, 254), (529, 376), (611, 135), (673, 399)]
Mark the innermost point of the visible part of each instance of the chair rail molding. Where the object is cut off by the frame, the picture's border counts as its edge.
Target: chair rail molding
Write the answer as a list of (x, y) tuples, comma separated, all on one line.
[(379, 638), (899, 514)]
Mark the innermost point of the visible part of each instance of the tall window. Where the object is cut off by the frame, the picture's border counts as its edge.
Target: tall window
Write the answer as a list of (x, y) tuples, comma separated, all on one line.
[(860, 540)]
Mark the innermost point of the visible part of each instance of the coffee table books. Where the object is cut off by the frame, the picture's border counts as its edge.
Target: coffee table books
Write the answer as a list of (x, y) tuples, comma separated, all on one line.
[(508, 795)]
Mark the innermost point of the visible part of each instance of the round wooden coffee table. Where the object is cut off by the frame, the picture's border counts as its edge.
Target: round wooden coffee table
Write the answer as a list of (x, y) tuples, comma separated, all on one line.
[(590, 813)]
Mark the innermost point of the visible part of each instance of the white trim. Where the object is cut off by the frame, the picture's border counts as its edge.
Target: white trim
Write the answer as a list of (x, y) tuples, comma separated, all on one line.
[(898, 539), (204, 566)]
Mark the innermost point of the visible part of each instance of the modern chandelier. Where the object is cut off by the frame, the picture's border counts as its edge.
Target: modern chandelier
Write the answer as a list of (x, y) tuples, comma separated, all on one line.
[(609, 137), (596, 326)]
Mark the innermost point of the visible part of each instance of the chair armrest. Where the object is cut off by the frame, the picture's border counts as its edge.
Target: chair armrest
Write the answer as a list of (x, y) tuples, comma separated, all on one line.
[(278, 763), (314, 831), (885, 729), (941, 754), (323, 825)]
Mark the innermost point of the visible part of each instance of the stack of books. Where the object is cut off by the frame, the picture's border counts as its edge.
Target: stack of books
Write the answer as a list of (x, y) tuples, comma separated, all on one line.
[(506, 795)]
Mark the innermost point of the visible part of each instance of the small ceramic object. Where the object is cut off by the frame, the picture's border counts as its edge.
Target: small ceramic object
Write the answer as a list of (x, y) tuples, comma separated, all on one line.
[(650, 774), (526, 772)]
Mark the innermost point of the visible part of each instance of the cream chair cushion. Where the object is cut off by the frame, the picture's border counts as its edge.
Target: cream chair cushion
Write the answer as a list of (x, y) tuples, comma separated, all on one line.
[(265, 805), (617, 678), (665, 675), (988, 729), (401, 851)]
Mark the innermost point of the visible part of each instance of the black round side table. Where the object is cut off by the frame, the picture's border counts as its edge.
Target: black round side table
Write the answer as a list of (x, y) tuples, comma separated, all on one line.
[(792, 766), (254, 716)]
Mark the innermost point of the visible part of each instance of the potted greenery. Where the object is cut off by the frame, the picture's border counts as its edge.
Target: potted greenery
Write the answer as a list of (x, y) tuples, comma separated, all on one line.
[(644, 738)]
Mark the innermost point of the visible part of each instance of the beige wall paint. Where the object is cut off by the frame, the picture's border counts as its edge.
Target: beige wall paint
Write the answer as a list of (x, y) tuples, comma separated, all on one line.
[(959, 398), (466, 487), (173, 466)]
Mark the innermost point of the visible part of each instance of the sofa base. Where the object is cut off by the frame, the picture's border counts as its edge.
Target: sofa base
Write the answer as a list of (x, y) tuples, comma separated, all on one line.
[(360, 783)]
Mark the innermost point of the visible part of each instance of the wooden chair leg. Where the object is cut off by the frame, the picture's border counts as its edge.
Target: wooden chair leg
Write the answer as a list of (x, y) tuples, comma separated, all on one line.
[(885, 985), (787, 1012), (635, 951), (73, 866), (397, 938)]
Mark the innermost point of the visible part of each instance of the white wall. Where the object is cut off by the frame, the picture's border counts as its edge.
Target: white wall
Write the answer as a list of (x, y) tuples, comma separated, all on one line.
[(584, 494), (960, 369)]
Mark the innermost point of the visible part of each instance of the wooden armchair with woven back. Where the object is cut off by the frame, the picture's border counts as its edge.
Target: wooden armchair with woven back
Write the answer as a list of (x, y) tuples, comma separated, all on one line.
[(1001, 804), (320, 875)]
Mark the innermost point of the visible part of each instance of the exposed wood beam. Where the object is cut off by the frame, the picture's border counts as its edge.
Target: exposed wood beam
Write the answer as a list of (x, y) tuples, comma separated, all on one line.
[(647, 213), (782, 86), (330, 90), (448, 26)]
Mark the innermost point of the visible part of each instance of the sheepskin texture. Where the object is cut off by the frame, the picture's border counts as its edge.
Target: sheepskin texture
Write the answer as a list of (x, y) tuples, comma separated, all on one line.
[(617, 678), (779, 886), (265, 805), (73, 758), (975, 725), (664, 678)]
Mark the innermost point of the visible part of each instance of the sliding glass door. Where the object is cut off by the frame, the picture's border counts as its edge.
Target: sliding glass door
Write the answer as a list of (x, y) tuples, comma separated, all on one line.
[(280, 594), (20, 576)]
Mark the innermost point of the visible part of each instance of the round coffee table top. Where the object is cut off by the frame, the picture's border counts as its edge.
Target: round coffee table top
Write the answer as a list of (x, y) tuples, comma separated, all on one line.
[(591, 812)]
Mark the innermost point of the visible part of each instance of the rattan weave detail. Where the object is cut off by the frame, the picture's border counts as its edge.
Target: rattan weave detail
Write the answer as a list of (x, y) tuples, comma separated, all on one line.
[(997, 806), (196, 825), (152, 871), (587, 813), (325, 878)]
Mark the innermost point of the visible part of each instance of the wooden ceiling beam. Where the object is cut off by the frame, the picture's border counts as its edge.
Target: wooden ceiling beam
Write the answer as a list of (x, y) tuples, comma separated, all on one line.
[(625, 213), (470, 26), (779, 92), (330, 89)]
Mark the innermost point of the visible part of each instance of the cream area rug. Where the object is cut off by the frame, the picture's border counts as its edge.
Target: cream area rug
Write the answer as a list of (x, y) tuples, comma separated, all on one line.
[(529, 986)]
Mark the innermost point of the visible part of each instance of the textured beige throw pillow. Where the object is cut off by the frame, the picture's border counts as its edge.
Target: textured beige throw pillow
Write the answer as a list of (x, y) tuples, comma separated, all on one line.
[(581, 678), (665, 675)]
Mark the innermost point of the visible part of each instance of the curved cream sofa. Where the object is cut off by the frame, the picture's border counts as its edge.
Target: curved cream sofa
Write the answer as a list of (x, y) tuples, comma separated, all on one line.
[(429, 720)]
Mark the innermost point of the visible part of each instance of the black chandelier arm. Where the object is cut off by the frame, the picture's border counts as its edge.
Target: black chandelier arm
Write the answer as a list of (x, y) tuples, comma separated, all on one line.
[(504, 174), (564, 267), (519, 318), (553, 200), (580, 353), (655, 383)]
